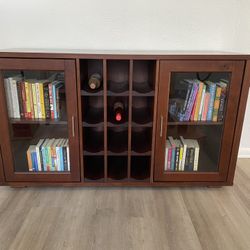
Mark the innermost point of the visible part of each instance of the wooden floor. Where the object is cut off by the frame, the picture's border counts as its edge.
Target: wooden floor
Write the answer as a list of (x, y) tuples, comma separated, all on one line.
[(127, 218)]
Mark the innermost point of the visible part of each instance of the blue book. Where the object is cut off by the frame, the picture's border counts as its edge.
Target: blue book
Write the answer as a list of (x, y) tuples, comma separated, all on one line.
[(61, 156), (211, 86), (34, 161), (43, 150)]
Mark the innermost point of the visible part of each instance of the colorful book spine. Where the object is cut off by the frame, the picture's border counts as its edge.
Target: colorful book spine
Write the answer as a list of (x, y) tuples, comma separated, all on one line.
[(198, 101), (211, 89), (222, 102), (166, 159), (31, 101), (9, 97), (191, 102), (15, 98), (46, 101), (68, 157), (34, 100), (28, 107), (205, 107), (39, 109), (42, 100), (216, 103), (51, 101), (24, 100)]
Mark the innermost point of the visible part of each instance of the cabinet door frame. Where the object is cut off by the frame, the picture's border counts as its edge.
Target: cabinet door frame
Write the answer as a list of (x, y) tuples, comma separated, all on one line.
[(236, 68), (68, 66), (2, 179)]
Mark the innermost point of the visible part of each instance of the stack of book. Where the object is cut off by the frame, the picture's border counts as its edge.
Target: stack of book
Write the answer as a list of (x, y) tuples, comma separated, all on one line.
[(32, 99), (181, 154), (49, 155), (199, 101)]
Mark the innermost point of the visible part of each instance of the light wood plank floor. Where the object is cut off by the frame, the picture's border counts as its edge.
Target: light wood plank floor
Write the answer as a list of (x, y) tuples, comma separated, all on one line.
[(127, 218)]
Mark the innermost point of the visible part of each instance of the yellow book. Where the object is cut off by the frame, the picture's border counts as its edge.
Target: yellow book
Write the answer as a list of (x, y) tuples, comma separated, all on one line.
[(198, 98), (42, 100), (216, 103), (34, 99), (28, 107), (180, 159)]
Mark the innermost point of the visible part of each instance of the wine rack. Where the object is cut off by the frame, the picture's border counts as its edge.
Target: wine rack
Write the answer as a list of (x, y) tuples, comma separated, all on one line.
[(118, 150)]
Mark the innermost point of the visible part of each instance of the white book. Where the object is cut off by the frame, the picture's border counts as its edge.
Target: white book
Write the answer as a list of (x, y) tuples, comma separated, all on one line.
[(184, 144), (202, 102), (196, 154), (8, 97), (38, 154), (16, 108), (68, 159), (38, 103), (166, 157)]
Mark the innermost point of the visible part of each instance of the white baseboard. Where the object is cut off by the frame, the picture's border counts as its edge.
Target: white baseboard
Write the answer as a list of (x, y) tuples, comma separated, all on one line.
[(244, 153)]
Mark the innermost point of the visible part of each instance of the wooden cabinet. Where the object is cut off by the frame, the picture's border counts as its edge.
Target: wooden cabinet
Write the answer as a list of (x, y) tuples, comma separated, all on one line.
[(97, 149), (24, 123), (215, 138)]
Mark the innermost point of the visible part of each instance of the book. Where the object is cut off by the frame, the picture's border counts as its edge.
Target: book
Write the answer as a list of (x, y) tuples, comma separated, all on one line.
[(41, 93), (68, 157), (198, 101), (27, 100), (33, 86), (177, 155), (51, 102), (9, 97), (39, 160), (32, 112), (166, 158), (184, 145), (14, 96), (216, 103), (46, 100), (38, 98), (44, 155), (223, 86), (211, 89), (20, 102), (205, 107), (196, 154), (172, 143), (29, 158), (202, 102)]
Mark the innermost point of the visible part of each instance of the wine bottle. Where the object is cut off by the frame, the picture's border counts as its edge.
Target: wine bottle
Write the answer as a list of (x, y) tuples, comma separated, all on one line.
[(119, 111), (95, 81)]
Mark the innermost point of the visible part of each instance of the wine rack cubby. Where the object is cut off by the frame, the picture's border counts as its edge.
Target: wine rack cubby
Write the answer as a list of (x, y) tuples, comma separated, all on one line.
[(118, 149)]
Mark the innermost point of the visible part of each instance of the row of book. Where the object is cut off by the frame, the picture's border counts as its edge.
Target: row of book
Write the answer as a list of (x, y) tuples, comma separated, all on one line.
[(181, 154), (49, 155), (199, 101), (32, 99)]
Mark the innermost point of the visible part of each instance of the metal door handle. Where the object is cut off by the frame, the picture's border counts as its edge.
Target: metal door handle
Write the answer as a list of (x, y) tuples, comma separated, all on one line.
[(161, 128), (73, 125)]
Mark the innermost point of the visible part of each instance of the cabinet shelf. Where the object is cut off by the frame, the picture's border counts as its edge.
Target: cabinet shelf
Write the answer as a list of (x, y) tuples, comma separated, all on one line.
[(37, 121), (89, 93)]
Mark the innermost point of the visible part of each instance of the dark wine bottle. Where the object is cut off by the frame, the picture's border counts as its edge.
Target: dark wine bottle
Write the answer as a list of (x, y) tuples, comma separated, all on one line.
[(119, 113), (95, 81)]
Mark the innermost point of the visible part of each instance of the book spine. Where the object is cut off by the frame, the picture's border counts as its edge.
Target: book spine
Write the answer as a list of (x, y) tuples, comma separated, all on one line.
[(58, 103), (46, 102), (39, 166), (205, 109), (31, 101), (24, 99), (15, 98), (222, 105), (34, 164), (8, 97), (28, 108), (41, 159), (39, 113), (189, 90), (54, 100), (42, 100), (51, 102), (47, 158), (51, 166), (65, 164), (166, 159), (202, 102), (191, 160), (169, 158), (33, 86), (29, 160), (68, 158), (196, 158), (58, 159), (180, 159), (199, 98), (191, 103), (44, 157), (61, 159), (212, 90), (184, 157), (186, 167), (173, 159), (216, 104), (177, 155), (20, 102), (53, 156)]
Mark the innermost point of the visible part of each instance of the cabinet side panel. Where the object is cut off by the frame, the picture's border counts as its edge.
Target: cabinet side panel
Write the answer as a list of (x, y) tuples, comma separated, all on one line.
[(2, 179), (239, 123)]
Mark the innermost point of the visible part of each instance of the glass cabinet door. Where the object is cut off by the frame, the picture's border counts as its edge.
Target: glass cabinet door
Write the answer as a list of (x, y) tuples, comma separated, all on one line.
[(39, 116), (197, 108)]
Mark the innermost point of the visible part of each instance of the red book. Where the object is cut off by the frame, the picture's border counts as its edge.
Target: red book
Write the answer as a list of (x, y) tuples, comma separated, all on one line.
[(51, 101), (24, 100)]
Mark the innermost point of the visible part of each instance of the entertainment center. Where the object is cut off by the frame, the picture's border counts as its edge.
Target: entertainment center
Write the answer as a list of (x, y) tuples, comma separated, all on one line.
[(76, 118)]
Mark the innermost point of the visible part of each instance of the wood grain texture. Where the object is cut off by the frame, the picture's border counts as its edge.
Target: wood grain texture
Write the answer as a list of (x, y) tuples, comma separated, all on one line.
[(2, 178), (127, 218)]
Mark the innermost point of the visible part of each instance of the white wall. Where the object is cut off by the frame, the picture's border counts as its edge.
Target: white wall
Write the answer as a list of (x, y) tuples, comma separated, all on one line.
[(128, 25)]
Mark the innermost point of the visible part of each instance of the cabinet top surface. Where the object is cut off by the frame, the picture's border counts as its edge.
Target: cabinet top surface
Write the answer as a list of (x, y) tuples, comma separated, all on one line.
[(126, 54)]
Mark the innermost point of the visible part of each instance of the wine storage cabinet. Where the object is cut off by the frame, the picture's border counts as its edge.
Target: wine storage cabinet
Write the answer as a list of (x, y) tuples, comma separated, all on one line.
[(145, 120)]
